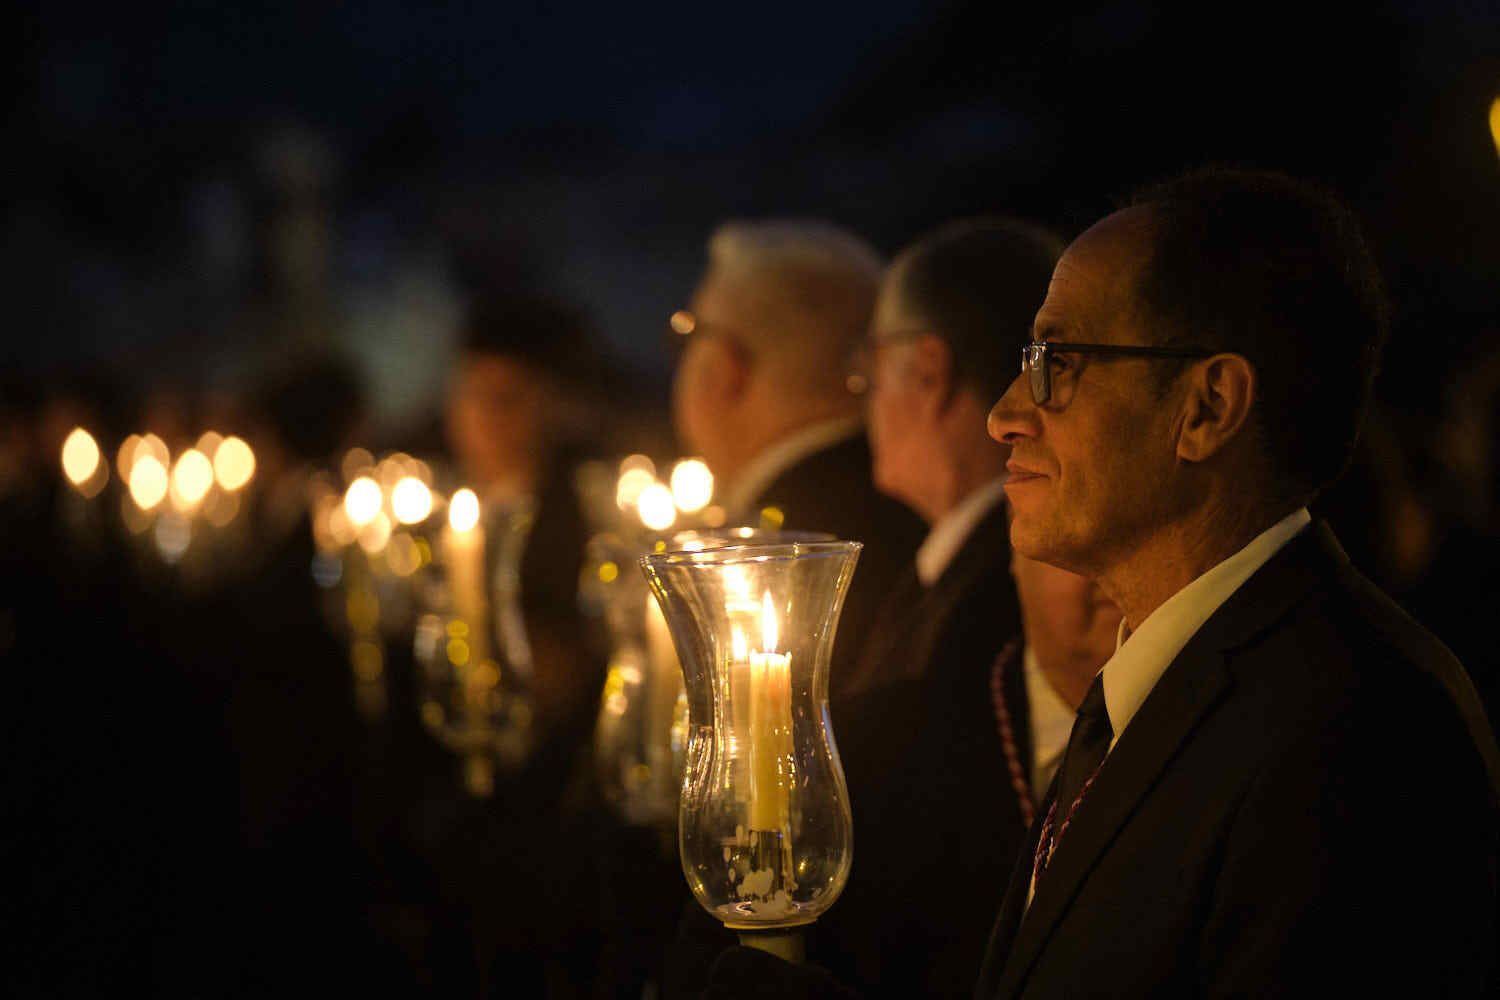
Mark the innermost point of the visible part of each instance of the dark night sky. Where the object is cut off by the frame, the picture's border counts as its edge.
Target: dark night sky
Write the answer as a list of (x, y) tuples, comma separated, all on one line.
[(591, 148)]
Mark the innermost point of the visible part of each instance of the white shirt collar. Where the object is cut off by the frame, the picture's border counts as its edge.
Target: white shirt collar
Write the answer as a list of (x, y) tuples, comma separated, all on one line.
[(950, 531), (1142, 658), (1051, 722), (762, 470)]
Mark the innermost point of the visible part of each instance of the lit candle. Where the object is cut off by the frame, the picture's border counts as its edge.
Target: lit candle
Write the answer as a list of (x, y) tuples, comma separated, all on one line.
[(463, 551), (770, 726)]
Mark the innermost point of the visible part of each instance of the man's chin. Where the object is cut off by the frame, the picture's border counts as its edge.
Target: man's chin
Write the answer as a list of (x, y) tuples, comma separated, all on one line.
[(1034, 542)]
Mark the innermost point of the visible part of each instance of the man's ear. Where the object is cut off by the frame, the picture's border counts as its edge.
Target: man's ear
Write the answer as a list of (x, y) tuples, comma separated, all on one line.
[(1216, 408), (727, 364)]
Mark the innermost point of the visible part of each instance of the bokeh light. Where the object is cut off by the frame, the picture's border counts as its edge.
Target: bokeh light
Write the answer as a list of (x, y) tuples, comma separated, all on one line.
[(148, 482), (403, 555), (340, 530), (392, 469), (221, 508), (362, 501), (1495, 123), (411, 500), (80, 457), (658, 512), (173, 535), (632, 482), (463, 510), (234, 464), (642, 462), (192, 477), (375, 533), (156, 448), (692, 485), (208, 442), (125, 457), (357, 462)]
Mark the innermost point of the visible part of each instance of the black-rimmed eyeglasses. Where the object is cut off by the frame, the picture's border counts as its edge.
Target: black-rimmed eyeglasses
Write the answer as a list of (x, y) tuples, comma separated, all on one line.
[(1035, 365)]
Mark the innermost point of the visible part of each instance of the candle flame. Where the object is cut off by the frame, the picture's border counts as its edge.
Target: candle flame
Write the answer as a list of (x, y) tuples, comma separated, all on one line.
[(362, 501), (768, 629), (80, 456), (692, 485), (234, 463), (463, 510), (192, 477), (148, 482)]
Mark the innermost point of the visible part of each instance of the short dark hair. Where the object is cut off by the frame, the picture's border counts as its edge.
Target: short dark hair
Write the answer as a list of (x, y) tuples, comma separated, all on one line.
[(1276, 270), (548, 335), (978, 284)]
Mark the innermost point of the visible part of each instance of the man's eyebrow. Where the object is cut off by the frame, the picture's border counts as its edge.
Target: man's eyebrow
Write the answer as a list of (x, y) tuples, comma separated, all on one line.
[(1042, 331)]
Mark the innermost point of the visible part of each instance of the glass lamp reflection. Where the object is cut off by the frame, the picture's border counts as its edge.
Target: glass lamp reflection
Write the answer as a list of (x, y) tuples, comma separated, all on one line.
[(640, 737)]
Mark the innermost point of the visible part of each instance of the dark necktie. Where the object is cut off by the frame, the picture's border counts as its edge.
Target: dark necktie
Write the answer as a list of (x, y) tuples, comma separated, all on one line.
[(1087, 745)]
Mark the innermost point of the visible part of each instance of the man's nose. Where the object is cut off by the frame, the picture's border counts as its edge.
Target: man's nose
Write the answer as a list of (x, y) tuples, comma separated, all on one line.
[(1014, 415)]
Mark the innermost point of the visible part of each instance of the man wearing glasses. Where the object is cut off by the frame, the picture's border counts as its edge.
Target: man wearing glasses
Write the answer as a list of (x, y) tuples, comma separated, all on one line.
[(759, 393), (954, 722), (1279, 783)]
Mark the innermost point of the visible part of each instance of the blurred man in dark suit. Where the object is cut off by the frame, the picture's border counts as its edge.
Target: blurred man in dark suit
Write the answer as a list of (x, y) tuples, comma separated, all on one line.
[(518, 419), (515, 419), (760, 395), (1279, 783), (919, 734)]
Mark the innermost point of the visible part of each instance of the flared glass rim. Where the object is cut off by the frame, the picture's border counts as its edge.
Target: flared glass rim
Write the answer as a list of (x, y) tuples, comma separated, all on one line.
[(752, 552), (742, 535)]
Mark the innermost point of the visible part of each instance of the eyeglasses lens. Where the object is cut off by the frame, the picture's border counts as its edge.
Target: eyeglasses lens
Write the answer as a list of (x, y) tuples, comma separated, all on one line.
[(1034, 363)]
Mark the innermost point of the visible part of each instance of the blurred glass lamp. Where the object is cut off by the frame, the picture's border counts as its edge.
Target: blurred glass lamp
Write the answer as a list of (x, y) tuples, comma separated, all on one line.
[(473, 657)]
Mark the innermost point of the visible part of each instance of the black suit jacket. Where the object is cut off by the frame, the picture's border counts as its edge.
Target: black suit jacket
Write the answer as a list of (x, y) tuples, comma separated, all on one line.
[(1305, 803), (936, 821), (831, 490)]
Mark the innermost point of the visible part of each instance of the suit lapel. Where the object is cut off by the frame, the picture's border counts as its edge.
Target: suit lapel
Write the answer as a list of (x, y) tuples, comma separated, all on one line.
[(1186, 692)]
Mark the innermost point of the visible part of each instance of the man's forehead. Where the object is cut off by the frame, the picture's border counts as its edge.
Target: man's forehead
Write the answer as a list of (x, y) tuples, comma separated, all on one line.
[(1095, 280)]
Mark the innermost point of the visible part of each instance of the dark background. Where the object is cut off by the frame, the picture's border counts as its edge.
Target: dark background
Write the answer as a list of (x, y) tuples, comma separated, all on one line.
[(195, 194), (192, 187)]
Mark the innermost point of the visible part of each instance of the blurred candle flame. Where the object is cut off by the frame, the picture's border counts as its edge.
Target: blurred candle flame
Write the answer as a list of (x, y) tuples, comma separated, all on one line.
[(148, 481), (692, 485), (633, 483), (80, 456), (411, 500), (362, 501), (656, 507), (192, 477), (234, 464), (463, 510)]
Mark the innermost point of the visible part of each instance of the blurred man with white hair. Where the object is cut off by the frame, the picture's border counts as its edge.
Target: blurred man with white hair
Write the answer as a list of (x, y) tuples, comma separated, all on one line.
[(760, 394)]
